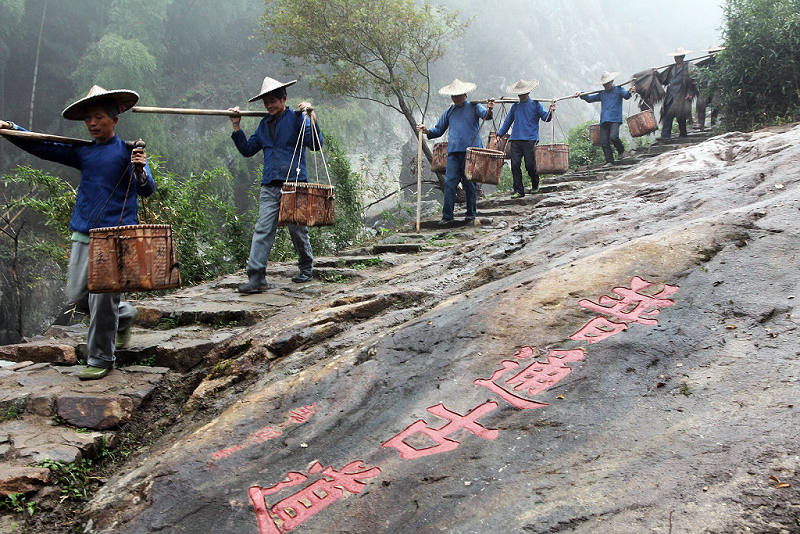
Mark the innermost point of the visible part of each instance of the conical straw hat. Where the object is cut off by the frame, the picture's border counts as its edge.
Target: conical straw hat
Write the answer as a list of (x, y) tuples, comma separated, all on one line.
[(521, 87), (457, 87), (679, 52), (608, 77), (124, 98), (269, 85)]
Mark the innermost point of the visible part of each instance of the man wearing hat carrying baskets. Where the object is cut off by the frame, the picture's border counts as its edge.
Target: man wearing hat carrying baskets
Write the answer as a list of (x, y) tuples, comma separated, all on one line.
[(610, 99), (277, 136), (113, 175), (525, 116), (680, 90), (463, 119)]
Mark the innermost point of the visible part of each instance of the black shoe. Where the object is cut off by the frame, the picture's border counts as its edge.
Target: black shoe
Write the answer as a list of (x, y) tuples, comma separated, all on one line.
[(445, 223), (301, 277), (469, 221), (253, 285)]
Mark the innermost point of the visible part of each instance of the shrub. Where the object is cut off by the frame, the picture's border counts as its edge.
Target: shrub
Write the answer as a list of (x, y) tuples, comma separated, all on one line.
[(581, 149), (756, 79)]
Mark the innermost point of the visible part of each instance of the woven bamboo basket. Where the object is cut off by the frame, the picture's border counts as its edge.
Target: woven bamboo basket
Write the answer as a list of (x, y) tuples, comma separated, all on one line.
[(503, 144), (439, 160), (132, 258), (484, 165), (642, 123), (552, 159), (306, 204), (594, 134)]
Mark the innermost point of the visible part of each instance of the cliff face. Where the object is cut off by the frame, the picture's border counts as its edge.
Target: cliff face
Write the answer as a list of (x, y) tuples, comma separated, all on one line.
[(614, 354)]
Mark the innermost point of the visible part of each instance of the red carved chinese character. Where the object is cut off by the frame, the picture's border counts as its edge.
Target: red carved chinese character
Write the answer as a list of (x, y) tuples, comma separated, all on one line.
[(295, 509), (264, 434), (632, 306), (534, 379), (598, 329), (457, 422)]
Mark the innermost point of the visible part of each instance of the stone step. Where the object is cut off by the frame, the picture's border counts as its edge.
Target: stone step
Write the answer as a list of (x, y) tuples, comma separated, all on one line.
[(47, 390)]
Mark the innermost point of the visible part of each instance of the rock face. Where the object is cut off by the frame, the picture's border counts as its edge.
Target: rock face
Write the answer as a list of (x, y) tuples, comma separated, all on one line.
[(101, 412), (615, 355)]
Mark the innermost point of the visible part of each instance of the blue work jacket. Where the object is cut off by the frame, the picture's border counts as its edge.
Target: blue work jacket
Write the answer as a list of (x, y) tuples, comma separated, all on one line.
[(610, 103), (106, 176), (525, 117), (280, 158), (464, 123)]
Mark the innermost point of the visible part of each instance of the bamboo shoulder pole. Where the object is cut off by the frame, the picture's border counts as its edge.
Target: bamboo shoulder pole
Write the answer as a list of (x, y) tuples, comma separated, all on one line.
[(35, 136), (419, 177), (190, 111)]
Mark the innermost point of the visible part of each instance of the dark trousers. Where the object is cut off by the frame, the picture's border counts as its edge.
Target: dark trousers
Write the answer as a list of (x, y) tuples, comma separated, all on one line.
[(666, 130), (609, 133), (527, 150), (454, 175)]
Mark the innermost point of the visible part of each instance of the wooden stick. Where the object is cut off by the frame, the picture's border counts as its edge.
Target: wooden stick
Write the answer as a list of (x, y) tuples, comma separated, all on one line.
[(189, 111), (44, 137), (419, 177), (506, 100)]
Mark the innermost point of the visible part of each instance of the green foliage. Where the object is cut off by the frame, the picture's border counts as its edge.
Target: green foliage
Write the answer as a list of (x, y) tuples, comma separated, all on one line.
[(378, 50), (12, 412), (756, 79), (74, 479), (369, 262), (348, 225), (211, 237), (581, 149), (41, 193), (17, 502)]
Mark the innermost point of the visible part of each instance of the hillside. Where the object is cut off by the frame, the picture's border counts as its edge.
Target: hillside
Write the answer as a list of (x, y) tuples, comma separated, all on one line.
[(672, 410)]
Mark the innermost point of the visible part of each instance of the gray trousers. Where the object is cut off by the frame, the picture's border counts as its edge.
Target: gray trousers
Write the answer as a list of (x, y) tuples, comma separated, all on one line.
[(264, 235), (106, 311)]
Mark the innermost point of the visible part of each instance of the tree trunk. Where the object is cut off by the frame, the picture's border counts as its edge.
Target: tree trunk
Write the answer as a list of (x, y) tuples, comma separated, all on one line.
[(36, 65), (413, 123)]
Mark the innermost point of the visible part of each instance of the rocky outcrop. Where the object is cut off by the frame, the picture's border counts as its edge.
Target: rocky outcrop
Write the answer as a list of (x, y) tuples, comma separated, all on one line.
[(648, 425)]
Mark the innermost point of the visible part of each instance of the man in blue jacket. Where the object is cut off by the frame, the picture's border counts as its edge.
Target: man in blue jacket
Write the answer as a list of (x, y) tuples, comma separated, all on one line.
[(463, 120), (277, 136), (113, 175), (610, 99), (525, 116)]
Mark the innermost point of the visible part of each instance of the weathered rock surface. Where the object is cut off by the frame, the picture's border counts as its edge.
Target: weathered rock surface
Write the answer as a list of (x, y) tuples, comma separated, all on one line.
[(39, 351), (22, 479), (675, 423)]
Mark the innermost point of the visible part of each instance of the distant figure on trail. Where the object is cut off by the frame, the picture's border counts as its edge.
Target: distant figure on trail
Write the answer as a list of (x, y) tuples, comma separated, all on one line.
[(678, 79), (610, 99), (277, 136), (704, 97), (525, 116), (113, 175), (463, 118)]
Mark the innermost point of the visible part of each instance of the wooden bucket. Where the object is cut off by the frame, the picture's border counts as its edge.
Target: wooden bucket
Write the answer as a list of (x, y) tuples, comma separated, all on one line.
[(500, 143), (642, 123), (552, 159), (439, 160), (594, 134), (484, 165), (132, 258), (307, 204)]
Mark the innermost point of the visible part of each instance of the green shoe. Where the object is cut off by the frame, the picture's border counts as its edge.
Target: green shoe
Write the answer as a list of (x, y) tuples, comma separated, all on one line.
[(123, 338), (91, 372), (517, 195)]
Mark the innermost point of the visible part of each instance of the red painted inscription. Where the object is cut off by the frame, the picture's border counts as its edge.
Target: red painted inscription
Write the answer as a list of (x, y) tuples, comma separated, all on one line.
[(293, 510), (533, 379), (438, 435)]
